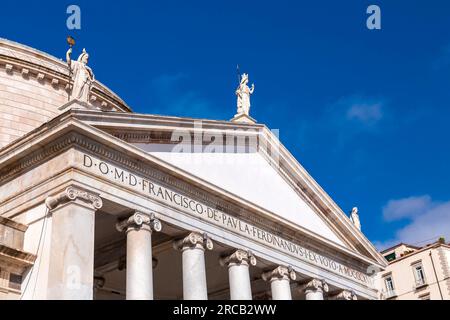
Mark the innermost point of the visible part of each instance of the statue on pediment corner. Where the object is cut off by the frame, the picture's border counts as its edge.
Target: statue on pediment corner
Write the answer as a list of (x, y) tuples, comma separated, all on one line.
[(243, 93), (354, 218), (81, 76)]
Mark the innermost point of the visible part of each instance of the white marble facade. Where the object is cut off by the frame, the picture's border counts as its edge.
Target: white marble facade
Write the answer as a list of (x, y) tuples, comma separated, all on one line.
[(113, 208)]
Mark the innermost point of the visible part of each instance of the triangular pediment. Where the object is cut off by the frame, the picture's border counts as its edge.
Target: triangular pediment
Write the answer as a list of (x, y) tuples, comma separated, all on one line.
[(263, 178), (249, 176)]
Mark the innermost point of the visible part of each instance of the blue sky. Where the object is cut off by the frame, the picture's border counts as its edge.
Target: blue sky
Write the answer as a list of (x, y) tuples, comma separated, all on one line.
[(366, 112)]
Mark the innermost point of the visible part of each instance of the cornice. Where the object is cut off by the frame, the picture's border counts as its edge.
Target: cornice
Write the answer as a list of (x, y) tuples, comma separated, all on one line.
[(44, 67), (32, 62), (421, 250), (289, 168), (13, 224), (72, 134), (10, 171), (76, 140), (19, 260), (313, 193)]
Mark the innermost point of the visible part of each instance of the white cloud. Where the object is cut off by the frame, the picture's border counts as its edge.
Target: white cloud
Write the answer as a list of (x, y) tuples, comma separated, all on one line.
[(356, 114), (351, 117), (406, 208), (427, 220), (366, 113), (357, 108)]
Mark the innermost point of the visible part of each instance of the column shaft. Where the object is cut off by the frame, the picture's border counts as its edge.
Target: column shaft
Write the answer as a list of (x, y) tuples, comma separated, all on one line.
[(239, 277), (281, 289), (194, 274), (280, 282), (71, 261), (139, 284), (314, 295), (238, 264), (139, 228), (193, 260), (314, 289)]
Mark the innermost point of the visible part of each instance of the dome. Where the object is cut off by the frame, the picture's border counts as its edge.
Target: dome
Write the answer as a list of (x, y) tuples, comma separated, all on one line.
[(33, 87)]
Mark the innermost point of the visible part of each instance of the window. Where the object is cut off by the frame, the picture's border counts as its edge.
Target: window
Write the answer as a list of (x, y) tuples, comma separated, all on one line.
[(390, 290), (15, 281), (390, 257), (419, 275)]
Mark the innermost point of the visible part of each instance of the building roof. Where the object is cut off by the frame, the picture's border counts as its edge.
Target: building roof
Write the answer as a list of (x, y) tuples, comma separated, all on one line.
[(417, 249), (399, 245)]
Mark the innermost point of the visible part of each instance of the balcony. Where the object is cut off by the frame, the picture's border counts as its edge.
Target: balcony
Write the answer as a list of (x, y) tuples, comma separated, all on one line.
[(420, 284), (390, 294)]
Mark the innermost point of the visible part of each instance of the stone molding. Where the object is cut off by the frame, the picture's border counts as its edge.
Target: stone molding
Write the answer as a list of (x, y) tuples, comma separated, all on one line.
[(239, 257), (76, 139), (314, 285), (280, 273), (13, 224), (139, 220), (243, 118), (42, 154), (291, 171), (344, 295), (194, 240), (14, 260), (72, 193), (40, 66)]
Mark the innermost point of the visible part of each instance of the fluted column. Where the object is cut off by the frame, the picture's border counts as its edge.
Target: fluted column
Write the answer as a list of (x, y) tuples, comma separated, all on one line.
[(239, 274), (344, 295), (71, 265), (279, 279), (138, 227), (314, 289), (193, 259)]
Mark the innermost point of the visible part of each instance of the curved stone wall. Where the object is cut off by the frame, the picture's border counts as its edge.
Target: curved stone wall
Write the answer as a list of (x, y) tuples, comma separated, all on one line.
[(33, 86)]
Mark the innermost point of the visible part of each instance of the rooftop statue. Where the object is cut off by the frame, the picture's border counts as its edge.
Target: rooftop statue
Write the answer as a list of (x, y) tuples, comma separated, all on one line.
[(81, 75), (243, 93), (354, 217)]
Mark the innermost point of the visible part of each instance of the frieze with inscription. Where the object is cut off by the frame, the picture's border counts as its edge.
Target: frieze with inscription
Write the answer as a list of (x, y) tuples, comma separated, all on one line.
[(219, 218)]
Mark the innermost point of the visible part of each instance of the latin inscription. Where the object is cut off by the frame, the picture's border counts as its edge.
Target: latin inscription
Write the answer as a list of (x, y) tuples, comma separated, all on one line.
[(219, 218)]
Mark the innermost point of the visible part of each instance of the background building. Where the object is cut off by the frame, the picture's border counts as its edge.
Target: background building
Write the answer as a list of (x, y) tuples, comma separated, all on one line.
[(416, 273)]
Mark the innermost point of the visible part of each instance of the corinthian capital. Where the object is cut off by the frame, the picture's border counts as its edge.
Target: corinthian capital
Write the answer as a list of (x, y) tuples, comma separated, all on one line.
[(280, 273), (314, 285), (344, 295), (239, 257), (73, 193), (139, 220), (194, 240)]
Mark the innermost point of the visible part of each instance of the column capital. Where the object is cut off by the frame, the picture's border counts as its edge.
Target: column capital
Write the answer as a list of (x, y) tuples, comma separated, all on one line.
[(344, 295), (238, 257), (280, 273), (314, 285), (194, 240), (71, 194), (139, 220)]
